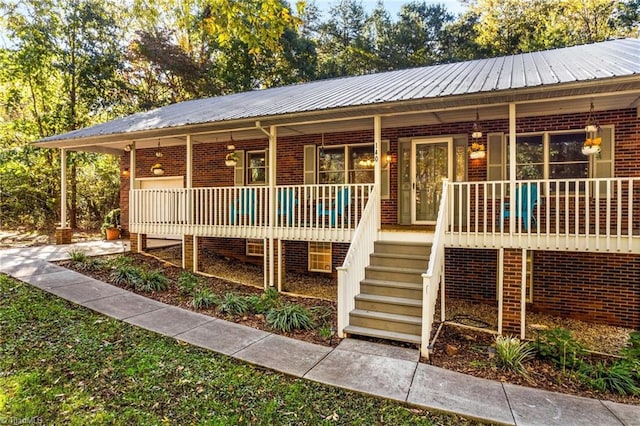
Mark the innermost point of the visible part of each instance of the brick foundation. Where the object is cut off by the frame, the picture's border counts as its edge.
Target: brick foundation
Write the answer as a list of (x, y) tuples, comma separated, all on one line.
[(64, 235), (187, 252), (133, 240), (512, 291)]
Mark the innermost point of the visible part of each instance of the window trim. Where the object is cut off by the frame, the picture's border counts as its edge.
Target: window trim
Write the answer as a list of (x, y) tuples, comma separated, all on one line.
[(254, 242), (248, 167), (347, 151), (311, 253)]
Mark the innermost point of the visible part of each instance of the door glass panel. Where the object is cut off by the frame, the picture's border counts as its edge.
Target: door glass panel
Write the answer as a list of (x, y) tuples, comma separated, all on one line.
[(432, 166)]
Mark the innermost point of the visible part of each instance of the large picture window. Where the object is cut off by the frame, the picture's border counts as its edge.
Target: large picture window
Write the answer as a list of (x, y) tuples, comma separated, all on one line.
[(346, 164), (551, 156)]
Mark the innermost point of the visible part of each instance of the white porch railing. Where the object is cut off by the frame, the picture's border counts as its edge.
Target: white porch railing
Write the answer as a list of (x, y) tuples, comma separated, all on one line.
[(434, 276), (303, 212), (567, 214), (353, 269)]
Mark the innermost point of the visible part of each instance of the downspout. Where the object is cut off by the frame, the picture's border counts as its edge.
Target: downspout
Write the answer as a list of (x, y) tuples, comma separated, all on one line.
[(272, 134)]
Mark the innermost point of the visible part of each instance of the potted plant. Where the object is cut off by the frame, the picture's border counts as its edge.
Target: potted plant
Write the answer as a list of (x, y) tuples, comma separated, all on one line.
[(111, 226), (157, 169), (476, 150), (231, 159)]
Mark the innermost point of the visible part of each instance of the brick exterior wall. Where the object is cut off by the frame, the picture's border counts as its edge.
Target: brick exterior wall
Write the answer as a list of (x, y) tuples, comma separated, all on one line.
[(64, 235), (608, 292), (187, 250), (471, 274)]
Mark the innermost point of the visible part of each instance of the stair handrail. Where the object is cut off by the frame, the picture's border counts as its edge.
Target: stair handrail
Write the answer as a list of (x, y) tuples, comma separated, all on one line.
[(434, 276), (352, 270)]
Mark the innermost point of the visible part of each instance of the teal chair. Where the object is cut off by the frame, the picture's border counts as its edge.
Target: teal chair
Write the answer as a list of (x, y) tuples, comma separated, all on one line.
[(526, 200), (337, 208), (287, 203), (244, 205)]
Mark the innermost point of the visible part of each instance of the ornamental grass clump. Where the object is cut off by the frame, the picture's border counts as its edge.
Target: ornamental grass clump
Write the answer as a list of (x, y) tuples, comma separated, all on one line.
[(188, 283), (126, 275), (512, 353), (261, 304), (152, 281), (204, 299), (233, 304), (290, 317)]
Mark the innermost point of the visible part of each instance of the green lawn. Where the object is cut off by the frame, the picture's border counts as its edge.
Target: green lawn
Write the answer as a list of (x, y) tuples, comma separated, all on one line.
[(63, 364)]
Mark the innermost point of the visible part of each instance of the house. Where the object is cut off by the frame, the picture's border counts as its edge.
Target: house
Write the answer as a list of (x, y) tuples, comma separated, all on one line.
[(513, 181)]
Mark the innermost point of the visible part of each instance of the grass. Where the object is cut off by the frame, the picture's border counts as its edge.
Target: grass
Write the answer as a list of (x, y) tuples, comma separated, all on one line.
[(63, 364)]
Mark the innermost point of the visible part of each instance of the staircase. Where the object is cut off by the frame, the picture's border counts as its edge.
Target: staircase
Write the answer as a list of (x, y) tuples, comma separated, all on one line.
[(389, 305)]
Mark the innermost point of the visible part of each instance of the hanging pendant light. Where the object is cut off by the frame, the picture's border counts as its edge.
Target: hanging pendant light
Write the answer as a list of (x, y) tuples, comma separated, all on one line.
[(476, 130), (593, 140)]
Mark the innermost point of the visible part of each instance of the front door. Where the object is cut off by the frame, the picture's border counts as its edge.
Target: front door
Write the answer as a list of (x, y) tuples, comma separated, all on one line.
[(431, 163)]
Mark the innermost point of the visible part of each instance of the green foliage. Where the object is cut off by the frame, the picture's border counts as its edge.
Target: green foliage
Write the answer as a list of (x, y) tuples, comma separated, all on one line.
[(325, 332), (290, 317), (632, 348), (512, 353), (111, 221), (204, 298), (120, 260), (128, 275), (617, 377), (233, 304), (152, 281), (187, 283), (559, 345), (321, 314), (77, 256), (262, 303)]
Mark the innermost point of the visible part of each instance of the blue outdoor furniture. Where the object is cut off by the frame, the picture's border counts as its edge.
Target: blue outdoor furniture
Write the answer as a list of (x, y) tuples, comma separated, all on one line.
[(287, 202), (525, 202), (244, 205), (337, 208)]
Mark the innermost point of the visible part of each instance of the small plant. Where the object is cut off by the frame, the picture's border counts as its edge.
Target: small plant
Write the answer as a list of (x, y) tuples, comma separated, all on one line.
[(322, 314), (187, 283), (290, 317), (77, 256), (262, 303), (325, 332), (617, 377), (559, 345), (111, 221), (512, 353), (204, 298), (120, 260), (233, 304), (126, 275), (152, 281)]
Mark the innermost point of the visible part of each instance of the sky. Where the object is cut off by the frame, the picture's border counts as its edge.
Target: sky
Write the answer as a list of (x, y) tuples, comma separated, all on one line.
[(393, 6)]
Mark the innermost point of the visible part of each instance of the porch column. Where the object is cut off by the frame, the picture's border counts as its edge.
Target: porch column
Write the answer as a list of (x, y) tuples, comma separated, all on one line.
[(273, 143), (514, 264), (512, 163), (63, 233), (138, 241), (189, 242), (378, 154)]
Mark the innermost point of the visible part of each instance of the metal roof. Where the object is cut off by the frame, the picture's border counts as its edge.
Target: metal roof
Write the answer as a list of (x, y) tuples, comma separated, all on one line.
[(585, 63)]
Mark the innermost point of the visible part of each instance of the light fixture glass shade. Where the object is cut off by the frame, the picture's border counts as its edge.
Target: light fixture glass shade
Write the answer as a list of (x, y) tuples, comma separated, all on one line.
[(477, 134)]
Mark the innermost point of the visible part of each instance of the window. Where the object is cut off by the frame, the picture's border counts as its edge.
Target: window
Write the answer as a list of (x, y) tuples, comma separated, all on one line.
[(257, 167), (551, 156), (319, 256), (346, 164), (255, 248)]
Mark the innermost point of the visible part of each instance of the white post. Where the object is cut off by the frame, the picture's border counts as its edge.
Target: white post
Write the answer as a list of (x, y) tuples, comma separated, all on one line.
[(512, 167), (132, 168), (189, 182), (195, 254), (523, 295), (378, 154), (500, 287), (63, 188), (273, 142)]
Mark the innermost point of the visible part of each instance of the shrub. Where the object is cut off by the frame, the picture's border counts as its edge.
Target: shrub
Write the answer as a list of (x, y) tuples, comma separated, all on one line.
[(262, 303), (559, 345), (187, 283), (290, 317), (126, 275), (121, 260), (77, 256), (152, 281), (325, 332), (617, 377), (632, 349), (233, 304), (512, 353), (203, 299)]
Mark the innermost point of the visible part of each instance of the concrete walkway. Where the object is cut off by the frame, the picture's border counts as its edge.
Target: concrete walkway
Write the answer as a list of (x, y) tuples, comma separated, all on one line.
[(375, 369)]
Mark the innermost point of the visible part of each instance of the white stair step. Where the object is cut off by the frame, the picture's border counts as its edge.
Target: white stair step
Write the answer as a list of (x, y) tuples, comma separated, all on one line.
[(389, 299), (381, 334)]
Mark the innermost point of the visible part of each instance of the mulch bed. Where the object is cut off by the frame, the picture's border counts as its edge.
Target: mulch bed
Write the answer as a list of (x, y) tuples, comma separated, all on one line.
[(218, 286)]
